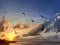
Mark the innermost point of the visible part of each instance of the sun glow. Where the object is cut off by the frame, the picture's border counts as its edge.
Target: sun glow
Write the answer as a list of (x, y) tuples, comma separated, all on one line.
[(10, 36)]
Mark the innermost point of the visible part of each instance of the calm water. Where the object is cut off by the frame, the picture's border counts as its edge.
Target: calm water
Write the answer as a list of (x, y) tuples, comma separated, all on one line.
[(28, 43)]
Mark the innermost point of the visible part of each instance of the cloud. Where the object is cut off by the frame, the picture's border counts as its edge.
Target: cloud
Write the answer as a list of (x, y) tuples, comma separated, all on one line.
[(34, 30), (3, 23), (57, 24)]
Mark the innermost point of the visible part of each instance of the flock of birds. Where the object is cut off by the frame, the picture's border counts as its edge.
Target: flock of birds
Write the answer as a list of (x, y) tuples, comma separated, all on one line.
[(32, 20)]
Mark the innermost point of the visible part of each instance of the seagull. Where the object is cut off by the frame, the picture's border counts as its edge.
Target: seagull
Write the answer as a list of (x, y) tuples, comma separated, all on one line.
[(42, 16), (15, 32), (35, 32), (32, 20), (58, 31), (23, 13)]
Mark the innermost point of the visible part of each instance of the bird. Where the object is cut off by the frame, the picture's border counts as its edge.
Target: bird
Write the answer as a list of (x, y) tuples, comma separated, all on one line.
[(42, 16), (15, 32), (32, 20), (42, 27), (58, 31), (35, 32), (23, 13)]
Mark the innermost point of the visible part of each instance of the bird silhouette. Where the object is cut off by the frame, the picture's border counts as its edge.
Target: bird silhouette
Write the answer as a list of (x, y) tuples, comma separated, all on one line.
[(34, 33), (32, 20), (42, 16), (15, 32), (23, 13)]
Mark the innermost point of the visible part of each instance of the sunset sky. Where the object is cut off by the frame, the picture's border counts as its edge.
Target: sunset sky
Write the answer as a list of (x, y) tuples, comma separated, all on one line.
[(13, 9)]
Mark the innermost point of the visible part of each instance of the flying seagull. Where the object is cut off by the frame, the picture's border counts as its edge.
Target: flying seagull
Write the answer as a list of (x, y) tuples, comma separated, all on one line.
[(23, 13), (32, 20), (35, 32), (42, 16), (15, 32)]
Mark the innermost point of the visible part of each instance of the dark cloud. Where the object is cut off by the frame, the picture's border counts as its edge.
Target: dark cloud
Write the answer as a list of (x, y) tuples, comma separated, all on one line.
[(57, 24), (3, 24)]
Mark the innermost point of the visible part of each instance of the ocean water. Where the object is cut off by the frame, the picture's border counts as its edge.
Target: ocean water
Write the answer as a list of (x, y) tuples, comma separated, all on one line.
[(35, 43)]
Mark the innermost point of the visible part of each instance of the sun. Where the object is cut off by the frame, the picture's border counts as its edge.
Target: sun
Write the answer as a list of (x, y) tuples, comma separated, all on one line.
[(10, 36)]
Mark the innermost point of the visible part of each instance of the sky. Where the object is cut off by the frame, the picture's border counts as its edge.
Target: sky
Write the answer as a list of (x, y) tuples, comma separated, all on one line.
[(13, 9)]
